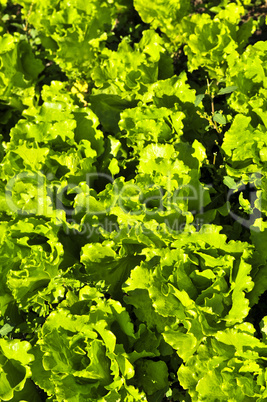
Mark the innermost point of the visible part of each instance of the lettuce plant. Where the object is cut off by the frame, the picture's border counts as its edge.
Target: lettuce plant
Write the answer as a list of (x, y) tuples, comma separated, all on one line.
[(133, 201)]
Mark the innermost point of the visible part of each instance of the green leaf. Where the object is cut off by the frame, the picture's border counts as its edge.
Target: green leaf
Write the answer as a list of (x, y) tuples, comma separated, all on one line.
[(108, 108), (219, 118), (230, 182), (161, 15), (152, 376), (6, 329), (185, 344), (263, 154), (243, 283), (199, 99), (14, 367), (227, 90), (102, 263)]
